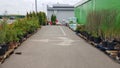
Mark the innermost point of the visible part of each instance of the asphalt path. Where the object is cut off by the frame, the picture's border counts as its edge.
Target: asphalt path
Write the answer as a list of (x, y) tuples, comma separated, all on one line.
[(58, 47)]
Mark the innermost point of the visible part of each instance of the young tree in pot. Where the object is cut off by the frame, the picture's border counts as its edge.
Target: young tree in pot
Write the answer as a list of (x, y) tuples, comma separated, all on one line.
[(3, 48), (40, 17), (78, 29), (3, 43), (93, 25), (44, 18), (117, 29), (53, 19), (107, 27), (108, 23), (11, 36), (19, 30)]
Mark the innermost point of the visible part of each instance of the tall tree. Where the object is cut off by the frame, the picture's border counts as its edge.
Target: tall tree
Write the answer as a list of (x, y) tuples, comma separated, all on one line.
[(53, 19)]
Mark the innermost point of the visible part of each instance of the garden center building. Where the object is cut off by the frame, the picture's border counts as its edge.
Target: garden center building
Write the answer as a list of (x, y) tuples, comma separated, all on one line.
[(62, 11)]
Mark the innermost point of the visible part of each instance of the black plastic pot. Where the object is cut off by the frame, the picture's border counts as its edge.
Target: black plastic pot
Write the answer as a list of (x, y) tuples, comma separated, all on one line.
[(3, 49), (88, 36), (116, 41), (119, 54), (97, 40), (106, 46), (25, 35), (111, 45), (5, 46), (85, 34), (30, 32), (91, 38), (21, 39), (103, 46), (104, 43), (77, 31)]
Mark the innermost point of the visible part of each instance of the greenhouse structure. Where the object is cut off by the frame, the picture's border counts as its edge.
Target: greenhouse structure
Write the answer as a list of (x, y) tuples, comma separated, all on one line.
[(84, 8)]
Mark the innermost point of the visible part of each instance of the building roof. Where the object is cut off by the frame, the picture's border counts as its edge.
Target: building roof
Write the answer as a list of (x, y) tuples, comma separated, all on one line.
[(81, 2), (61, 7)]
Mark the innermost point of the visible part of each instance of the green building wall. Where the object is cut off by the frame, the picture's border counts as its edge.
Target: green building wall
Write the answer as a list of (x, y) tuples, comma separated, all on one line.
[(82, 10)]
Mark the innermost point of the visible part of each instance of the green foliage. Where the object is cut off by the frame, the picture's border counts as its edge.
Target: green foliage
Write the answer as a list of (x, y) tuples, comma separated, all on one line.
[(3, 29), (71, 22), (34, 14), (42, 18), (53, 19), (80, 28), (11, 34), (104, 23), (20, 28), (25, 26)]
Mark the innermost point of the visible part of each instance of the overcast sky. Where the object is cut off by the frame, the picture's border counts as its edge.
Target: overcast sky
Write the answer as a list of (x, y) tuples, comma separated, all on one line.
[(23, 6)]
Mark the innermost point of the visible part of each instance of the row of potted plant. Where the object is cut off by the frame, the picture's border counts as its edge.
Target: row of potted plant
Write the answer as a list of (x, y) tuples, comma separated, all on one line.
[(103, 28), (15, 33)]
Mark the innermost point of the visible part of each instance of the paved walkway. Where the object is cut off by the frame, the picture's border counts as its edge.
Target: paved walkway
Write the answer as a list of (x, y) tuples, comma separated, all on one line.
[(58, 47)]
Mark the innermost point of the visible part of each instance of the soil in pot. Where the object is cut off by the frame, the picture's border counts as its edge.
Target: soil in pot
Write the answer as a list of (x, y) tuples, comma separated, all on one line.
[(12, 45)]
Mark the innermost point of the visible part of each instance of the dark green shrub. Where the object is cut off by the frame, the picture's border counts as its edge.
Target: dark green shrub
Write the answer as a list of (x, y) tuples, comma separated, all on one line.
[(53, 19)]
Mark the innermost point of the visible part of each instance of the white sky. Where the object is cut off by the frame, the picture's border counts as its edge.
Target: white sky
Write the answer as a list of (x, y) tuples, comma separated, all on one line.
[(23, 6)]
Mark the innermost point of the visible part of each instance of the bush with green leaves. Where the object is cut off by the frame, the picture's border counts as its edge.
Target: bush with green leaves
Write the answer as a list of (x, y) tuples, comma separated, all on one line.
[(41, 16), (26, 26), (19, 29)]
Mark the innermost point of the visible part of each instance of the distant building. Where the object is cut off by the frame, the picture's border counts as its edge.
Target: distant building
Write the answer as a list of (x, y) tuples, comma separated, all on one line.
[(62, 12)]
